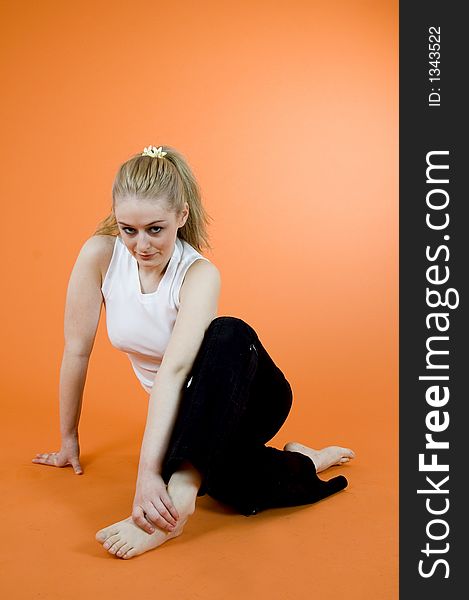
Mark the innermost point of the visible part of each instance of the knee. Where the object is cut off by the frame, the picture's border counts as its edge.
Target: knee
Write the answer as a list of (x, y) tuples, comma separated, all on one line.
[(229, 329)]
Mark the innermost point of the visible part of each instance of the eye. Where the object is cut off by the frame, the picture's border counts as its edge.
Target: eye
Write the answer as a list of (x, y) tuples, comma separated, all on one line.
[(132, 230)]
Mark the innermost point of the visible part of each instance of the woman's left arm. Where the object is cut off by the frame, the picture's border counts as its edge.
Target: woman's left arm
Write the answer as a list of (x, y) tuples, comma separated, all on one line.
[(198, 307)]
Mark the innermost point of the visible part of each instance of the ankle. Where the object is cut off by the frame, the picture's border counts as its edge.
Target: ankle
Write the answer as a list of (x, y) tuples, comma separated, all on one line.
[(183, 493), (186, 480), (187, 474)]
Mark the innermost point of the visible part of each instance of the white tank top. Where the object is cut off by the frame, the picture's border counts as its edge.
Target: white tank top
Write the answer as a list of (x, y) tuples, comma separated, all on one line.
[(141, 324)]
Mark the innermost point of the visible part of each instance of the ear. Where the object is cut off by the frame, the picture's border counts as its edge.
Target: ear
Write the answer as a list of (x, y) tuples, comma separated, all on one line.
[(184, 215)]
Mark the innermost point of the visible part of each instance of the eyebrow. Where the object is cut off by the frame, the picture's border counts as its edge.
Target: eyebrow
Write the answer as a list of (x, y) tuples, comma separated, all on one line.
[(147, 225)]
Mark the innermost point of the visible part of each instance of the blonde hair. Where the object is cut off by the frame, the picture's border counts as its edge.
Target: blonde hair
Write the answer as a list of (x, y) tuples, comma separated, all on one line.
[(169, 178)]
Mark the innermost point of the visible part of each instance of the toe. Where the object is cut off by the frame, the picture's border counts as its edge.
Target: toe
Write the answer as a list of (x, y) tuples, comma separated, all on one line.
[(100, 536), (111, 541), (123, 549), (103, 534), (117, 546), (130, 553)]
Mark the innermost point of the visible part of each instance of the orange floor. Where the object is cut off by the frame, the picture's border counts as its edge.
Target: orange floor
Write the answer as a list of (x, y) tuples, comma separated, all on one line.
[(342, 547), (288, 113)]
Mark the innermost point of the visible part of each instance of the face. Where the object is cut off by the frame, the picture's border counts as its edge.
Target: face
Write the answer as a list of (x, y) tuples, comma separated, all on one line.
[(147, 227)]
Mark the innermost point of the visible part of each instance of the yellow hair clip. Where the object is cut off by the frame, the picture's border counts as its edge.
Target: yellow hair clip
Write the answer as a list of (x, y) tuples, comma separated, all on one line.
[(154, 152)]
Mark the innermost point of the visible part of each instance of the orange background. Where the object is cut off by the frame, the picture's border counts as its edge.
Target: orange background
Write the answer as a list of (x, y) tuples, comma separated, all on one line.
[(288, 114)]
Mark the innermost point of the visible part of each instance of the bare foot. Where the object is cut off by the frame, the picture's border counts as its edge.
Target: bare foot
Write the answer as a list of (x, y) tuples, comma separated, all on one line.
[(125, 539), (325, 458)]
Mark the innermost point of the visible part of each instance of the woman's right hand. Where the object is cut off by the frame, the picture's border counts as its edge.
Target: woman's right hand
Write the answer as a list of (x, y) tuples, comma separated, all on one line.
[(69, 454)]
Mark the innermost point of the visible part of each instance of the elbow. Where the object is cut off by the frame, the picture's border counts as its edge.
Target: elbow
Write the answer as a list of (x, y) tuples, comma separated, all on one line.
[(78, 349), (176, 372)]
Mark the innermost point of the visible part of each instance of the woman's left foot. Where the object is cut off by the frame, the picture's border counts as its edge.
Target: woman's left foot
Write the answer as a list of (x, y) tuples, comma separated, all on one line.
[(325, 458)]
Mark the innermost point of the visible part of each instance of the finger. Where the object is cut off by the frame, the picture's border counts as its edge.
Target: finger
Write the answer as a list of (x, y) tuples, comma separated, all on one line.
[(170, 506), (46, 459), (154, 517), (160, 516), (76, 466), (164, 512), (139, 519)]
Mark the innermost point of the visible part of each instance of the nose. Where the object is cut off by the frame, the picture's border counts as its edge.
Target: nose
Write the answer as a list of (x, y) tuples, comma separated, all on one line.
[(143, 244)]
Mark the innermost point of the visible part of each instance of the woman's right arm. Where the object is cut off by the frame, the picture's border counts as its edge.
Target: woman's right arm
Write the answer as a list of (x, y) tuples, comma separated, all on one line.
[(82, 311)]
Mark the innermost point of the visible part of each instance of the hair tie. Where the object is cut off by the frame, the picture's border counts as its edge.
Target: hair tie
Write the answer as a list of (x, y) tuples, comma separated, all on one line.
[(154, 152)]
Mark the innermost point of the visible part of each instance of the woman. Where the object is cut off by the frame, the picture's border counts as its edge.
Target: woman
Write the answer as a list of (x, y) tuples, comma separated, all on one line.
[(216, 396)]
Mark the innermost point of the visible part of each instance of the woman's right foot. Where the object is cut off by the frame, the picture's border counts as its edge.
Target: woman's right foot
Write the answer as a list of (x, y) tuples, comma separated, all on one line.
[(325, 458), (125, 540)]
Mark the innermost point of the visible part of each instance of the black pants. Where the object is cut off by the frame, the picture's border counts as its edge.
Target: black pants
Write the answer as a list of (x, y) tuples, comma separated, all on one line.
[(234, 401)]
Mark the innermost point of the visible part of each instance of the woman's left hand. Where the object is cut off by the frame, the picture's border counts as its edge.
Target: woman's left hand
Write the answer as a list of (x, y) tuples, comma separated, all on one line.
[(152, 504)]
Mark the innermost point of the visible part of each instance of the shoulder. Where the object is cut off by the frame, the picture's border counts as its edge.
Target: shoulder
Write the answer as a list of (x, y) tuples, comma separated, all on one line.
[(202, 276), (98, 244), (202, 270), (99, 249)]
